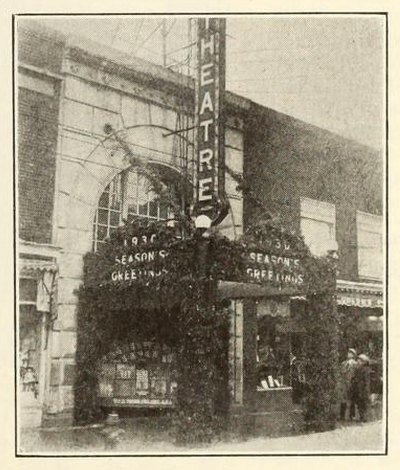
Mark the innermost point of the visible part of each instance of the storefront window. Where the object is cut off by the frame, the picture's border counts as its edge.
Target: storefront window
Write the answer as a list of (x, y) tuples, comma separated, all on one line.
[(281, 341), (29, 341)]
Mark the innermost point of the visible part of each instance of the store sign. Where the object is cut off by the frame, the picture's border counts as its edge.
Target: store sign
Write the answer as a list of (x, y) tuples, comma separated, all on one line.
[(275, 262), (358, 300), (210, 126), (139, 259)]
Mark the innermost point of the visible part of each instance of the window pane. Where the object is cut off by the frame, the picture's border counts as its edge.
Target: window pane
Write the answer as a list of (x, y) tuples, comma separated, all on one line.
[(27, 289), (101, 232), (163, 211), (114, 218), (142, 208), (132, 208), (317, 235), (153, 209), (370, 255), (102, 216)]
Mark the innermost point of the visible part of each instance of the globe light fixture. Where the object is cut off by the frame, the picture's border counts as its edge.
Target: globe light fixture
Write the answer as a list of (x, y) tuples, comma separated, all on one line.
[(202, 222)]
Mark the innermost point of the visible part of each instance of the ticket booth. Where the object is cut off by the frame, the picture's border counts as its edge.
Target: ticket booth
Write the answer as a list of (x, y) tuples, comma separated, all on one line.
[(268, 360)]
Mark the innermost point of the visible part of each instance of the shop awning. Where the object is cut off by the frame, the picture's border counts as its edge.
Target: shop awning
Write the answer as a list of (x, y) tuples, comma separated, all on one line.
[(36, 267), (359, 294), (45, 273)]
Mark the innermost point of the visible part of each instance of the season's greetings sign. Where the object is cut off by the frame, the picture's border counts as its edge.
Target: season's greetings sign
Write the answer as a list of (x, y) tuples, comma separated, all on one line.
[(277, 259), (141, 257), (151, 255)]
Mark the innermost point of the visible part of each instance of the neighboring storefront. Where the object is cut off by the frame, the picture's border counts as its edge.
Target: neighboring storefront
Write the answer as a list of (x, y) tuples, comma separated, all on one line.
[(361, 313), (37, 282)]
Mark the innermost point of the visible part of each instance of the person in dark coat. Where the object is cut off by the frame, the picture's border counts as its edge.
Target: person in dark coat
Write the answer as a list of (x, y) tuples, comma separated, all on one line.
[(346, 373), (361, 386)]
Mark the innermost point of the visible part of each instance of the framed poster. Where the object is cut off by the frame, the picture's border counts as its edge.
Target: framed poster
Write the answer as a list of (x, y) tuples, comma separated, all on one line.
[(137, 374)]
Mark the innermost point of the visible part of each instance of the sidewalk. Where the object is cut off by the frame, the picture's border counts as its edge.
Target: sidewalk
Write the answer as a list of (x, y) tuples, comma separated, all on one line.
[(367, 437), (354, 438)]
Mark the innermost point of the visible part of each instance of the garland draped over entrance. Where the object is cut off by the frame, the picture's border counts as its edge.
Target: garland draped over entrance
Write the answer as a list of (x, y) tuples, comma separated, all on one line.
[(145, 281)]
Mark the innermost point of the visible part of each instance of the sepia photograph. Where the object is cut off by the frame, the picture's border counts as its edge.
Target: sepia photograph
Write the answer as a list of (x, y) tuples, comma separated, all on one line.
[(200, 234)]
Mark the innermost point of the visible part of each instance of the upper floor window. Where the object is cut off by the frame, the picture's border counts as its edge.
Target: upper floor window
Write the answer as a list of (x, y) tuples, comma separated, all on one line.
[(129, 195), (370, 247), (318, 225)]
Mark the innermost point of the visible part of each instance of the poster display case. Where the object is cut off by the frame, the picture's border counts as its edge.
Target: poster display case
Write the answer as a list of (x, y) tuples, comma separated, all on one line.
[(138, 374)]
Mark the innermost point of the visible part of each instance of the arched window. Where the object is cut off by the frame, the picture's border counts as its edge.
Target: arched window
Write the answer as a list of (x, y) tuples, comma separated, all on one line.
[(130, 195)]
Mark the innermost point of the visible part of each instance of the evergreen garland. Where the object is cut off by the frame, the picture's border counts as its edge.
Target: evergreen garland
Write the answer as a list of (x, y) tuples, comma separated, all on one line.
[(178, 309), (322, 327), (181, 310)]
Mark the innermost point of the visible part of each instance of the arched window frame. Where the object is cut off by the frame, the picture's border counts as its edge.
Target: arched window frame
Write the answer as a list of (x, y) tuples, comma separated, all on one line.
[(122, 199)]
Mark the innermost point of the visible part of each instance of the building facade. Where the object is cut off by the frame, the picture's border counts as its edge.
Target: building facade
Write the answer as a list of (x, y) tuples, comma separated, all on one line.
[(87, 117), (330, 190)]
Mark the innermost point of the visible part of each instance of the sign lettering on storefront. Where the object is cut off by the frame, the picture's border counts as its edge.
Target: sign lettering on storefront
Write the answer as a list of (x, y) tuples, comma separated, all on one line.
[(210, 125), (362, 301)]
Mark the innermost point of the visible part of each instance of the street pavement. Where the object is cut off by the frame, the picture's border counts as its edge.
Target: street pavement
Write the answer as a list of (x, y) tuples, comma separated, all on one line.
[(352, 438), (355, 438)]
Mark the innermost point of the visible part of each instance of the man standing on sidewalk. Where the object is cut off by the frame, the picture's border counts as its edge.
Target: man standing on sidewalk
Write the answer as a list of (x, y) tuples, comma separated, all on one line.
[(361, 386), (347, 371)]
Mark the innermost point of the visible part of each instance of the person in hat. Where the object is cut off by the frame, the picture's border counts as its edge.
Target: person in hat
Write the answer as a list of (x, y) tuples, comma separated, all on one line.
[(346, 373), (361, 386)]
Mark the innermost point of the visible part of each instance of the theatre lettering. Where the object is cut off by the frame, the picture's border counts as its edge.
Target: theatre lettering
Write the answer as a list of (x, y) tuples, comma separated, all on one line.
[(210, 132)]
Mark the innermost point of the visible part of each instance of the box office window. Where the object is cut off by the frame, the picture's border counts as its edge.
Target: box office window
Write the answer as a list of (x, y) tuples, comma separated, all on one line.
[(318, 225), (273, 346), (370, 246)]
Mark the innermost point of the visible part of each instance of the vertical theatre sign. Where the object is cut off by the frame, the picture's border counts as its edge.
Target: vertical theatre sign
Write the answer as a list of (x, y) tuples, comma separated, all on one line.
[(209, 116)]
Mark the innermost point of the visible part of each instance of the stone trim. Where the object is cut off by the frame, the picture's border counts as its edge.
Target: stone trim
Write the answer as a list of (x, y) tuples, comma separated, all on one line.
[(39, 249)]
